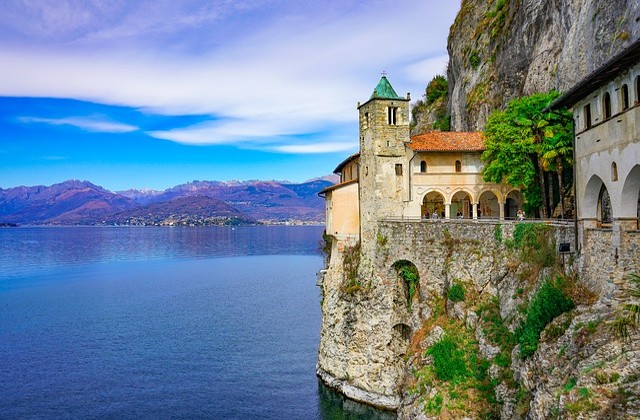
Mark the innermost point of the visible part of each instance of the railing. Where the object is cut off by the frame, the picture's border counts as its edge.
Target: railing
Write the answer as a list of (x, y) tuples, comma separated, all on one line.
[(481, 220)]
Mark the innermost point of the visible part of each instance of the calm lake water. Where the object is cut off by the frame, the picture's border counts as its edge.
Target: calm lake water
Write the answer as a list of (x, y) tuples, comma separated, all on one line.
[(163, 322)]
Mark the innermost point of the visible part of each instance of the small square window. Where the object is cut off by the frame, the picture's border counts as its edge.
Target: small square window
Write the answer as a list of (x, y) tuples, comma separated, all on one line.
[(398, 168)]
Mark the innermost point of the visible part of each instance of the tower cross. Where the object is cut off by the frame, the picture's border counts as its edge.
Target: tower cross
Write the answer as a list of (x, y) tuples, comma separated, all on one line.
[(384, 73)]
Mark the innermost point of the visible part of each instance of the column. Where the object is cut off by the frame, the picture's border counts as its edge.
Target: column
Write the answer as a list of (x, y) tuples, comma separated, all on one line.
[(501, 205), (447, 211), (474, 211)]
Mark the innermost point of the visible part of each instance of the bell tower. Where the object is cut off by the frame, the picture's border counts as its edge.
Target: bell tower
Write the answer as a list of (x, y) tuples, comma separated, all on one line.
[(384, 131)]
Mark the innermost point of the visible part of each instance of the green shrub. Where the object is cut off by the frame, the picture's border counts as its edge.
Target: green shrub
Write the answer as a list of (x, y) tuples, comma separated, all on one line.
[(547, 303), (409, 274), (456, 292), (535, 242), (474, 59), (436, 89), (448, 359)]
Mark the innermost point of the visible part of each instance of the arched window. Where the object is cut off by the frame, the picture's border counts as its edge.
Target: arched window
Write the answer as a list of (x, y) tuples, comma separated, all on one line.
[(423, 166), (458, 166), (604, 206), (624, 91), (614, 171), (606, 105)]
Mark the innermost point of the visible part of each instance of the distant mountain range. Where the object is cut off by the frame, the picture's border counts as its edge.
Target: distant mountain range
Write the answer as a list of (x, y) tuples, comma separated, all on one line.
[(197, 203)]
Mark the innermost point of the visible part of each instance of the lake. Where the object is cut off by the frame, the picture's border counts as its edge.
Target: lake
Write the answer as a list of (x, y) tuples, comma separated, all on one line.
[(163, 322)]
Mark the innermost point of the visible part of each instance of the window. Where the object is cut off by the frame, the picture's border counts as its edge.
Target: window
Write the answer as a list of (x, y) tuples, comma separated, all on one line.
[(624, 91), (458, 166), (614, 171), (392, 113), (587, 116), (398, 168), (423, 166), (606, 105), (637, 89)]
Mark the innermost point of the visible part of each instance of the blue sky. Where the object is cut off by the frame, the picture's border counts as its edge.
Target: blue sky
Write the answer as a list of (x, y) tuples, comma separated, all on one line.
[(150, 94)]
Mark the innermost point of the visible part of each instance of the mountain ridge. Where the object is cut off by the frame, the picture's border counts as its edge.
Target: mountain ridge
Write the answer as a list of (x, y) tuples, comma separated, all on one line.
[(75, 202)]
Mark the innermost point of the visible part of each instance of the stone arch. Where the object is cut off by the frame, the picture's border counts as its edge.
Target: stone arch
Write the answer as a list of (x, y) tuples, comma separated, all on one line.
[(433, 201), (408, 280), (630, 200), (461, 204), (590, 198), (400, 338), (513, 203), (489, 204)]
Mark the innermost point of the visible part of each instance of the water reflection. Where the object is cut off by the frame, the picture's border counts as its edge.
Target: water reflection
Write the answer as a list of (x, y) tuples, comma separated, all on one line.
[(35, 250), (334, 406)]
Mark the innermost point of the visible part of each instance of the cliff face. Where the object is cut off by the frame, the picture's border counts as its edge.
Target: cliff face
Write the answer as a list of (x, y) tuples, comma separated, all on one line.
[(503, 49)]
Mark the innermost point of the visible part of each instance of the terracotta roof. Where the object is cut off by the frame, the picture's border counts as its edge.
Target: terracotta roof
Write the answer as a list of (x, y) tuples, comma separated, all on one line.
[(336, 186), (344, 162), (447, 141)]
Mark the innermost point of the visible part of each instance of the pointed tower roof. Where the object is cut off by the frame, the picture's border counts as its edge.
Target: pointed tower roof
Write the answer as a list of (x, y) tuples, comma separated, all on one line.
[(384, 90)]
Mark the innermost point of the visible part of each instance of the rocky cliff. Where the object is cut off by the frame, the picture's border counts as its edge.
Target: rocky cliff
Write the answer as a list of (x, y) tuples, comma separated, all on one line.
[(503, 49), (467, 320)]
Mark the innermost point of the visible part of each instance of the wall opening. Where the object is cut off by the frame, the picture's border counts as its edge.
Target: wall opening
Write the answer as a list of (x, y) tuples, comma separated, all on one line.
[(614, 171), (587, 116), (408, 280), (630, 197), (392, 115), (433, 205), (604, 207), (606, 105), (458, 166), (423, 166), (624, 91), (637, 90), (398, 169)]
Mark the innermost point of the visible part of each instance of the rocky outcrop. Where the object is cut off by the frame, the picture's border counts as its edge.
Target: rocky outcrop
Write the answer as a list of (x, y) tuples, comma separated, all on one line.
[(503, 49)]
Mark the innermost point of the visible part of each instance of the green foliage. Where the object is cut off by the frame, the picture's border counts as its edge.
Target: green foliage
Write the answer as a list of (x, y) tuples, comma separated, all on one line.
[(523, 141), (474, 59), (381, 239), (436, 89), (494, 326), (325, 246), (434, 405), (456, 292), (535, 242), (497, 233), (443, 123), (449, 359), (409, 274), (547, 303)]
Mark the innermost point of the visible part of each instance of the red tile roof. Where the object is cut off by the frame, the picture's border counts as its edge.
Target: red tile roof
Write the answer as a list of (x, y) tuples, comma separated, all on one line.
[(447, 141)]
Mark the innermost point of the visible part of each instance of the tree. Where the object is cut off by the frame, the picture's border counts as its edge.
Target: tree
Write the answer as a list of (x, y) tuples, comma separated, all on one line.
[(524, 142)]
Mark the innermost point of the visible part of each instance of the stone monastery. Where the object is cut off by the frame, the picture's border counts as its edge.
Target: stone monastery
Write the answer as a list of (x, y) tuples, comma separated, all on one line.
[(435, 175)]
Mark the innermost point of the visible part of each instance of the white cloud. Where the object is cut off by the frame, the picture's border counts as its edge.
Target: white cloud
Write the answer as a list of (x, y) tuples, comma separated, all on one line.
[(300, 71), (84, 123)]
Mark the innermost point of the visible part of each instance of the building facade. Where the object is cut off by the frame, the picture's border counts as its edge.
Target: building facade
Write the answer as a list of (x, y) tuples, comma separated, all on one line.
[(435, 175)]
